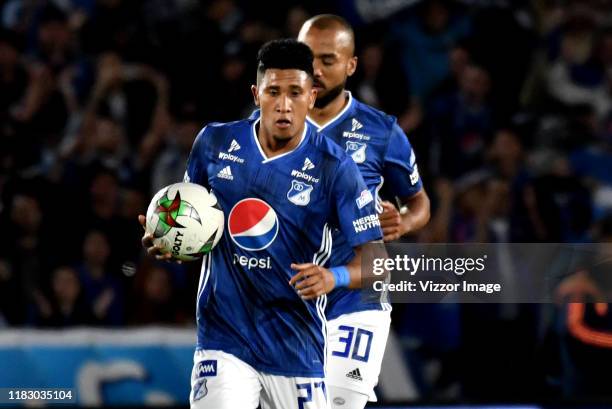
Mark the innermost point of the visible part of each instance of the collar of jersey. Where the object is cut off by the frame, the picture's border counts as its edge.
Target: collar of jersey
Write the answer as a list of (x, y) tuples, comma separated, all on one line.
[(263, 155), (337, 118)]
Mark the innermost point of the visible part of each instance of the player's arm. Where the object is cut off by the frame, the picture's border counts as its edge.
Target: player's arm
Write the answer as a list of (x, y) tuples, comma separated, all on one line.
[(312, 280), (413, 214), (355, 214), (401, 173), (195, 173)]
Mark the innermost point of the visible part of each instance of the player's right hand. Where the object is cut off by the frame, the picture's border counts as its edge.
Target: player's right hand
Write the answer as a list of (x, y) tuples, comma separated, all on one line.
[(390, 222), (311, 280), (152, 249)]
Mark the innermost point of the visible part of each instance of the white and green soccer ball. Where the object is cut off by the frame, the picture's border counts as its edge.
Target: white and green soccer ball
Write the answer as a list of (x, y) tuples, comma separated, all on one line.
[(185, 220)]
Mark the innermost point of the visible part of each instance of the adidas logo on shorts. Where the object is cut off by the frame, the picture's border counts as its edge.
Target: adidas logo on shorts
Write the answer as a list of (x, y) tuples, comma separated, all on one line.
[(355, 374)]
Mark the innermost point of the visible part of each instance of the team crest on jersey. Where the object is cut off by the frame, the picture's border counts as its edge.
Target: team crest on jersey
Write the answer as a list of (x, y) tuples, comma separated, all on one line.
[(299, 194), (357, 150)]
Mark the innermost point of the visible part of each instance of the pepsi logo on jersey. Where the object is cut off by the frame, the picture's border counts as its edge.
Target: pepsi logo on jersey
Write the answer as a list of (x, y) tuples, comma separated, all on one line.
[(252, 224)]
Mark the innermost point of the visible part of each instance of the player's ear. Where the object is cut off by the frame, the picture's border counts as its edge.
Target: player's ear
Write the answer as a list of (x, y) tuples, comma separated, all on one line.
[(255, 94), (352, 66), (312, 97)]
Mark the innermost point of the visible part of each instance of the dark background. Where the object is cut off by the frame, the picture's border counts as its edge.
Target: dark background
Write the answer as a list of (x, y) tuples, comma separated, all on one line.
[(507, 104)]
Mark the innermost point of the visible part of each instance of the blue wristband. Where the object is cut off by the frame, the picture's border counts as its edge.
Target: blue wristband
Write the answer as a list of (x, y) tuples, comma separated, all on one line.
[(341, 275)]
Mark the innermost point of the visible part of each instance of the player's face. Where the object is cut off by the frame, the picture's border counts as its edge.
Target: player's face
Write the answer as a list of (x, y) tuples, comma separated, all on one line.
[(284, 97), (334, 61)]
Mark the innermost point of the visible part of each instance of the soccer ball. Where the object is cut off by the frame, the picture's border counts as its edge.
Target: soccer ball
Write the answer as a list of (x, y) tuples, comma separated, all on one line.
[(185, 220)]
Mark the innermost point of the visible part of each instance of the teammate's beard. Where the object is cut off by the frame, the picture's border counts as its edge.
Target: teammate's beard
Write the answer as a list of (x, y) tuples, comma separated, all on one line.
[(324, 100)]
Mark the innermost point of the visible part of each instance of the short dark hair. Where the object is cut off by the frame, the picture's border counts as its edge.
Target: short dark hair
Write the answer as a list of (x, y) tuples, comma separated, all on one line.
[(285, 54)]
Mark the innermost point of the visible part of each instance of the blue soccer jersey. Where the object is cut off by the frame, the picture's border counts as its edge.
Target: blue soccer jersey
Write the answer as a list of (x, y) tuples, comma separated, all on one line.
[(383, 154), (278, 211)]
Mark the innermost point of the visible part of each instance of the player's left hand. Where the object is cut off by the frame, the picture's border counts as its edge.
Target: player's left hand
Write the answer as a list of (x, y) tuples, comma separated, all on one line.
[(152, 249), (312, 280), (390, 222)]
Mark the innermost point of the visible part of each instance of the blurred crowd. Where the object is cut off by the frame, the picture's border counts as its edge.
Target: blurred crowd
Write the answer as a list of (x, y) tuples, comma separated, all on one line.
[(508, 105)]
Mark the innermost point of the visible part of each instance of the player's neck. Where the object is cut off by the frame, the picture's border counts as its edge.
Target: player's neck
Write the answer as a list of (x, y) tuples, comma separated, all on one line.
[(272, 146), (323, 115)]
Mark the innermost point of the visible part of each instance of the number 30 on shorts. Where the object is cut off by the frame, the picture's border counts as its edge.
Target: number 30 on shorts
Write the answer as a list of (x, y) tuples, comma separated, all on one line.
[(353, 341)]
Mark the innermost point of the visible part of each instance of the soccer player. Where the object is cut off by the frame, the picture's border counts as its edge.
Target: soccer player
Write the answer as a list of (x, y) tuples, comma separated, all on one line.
[(358, 331), (283, 188)]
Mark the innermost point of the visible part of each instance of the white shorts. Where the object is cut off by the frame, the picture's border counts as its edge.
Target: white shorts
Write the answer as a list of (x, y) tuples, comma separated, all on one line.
[(222, 381), (355, 350)]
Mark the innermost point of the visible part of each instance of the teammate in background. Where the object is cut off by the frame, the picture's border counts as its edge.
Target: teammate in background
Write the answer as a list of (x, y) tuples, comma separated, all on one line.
[(283, 189), (358, 331)]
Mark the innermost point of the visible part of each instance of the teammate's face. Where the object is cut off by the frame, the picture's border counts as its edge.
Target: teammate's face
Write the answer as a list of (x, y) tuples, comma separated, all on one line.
[(334, 61), (284, 97)]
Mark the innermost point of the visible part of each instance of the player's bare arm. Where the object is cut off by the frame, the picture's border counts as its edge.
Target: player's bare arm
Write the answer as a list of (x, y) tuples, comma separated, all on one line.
[(413, 215), (312, 280)]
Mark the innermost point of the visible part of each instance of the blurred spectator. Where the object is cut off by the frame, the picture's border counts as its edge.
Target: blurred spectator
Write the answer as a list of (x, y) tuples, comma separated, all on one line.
[(14, 80), (459, 59), (507, 157), (296, 16), (134, 96), (108, 211), (424, 40), (86, 91), (359, 12), (104, 196), (371, 59), (43, 112), (169, 166), (115, 25), (564, 204), (592, 163), (133, 203), (205, 30), (30, 104), (67, 306), (579, 75), (462, 124), (233, 84), (26, 255), (584, 327), (55, 46), (378, 79), (11, 308), (157, 298), (106, 145), (469, 220), (101, 288)]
